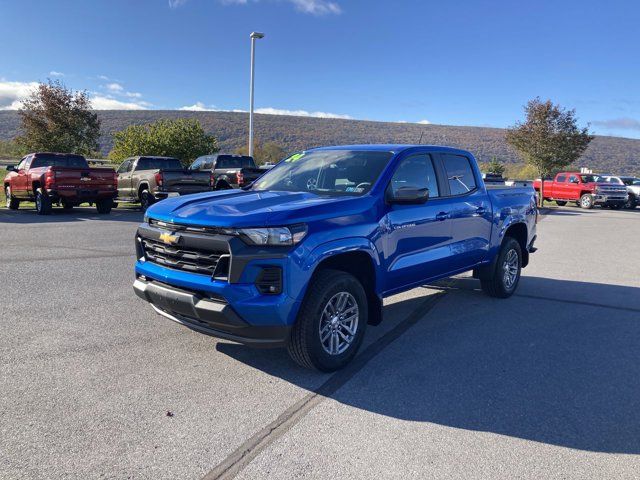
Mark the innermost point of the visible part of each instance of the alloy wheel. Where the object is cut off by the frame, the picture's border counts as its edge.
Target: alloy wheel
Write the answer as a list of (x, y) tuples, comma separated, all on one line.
[(339, 323), (510, 269)]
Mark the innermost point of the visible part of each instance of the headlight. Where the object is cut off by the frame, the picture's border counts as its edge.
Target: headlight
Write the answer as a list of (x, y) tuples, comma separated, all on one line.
[(273, 236)]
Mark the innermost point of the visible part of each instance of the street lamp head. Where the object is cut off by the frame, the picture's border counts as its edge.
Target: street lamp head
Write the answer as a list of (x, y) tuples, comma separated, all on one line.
[(256, 35)]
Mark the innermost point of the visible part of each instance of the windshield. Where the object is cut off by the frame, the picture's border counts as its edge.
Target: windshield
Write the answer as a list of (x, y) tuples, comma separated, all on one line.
[(591, 178), (330, 172), (72, 161), (631, 181)]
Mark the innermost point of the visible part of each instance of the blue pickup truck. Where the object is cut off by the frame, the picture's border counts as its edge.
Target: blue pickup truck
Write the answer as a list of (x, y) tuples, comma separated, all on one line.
[(303, 257)]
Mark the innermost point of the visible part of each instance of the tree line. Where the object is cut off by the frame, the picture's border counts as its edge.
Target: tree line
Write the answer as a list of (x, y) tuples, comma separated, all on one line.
[(55, 118)]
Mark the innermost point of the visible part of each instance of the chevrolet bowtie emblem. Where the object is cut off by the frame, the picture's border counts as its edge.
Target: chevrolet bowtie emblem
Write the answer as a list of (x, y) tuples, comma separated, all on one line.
[(169, 239)]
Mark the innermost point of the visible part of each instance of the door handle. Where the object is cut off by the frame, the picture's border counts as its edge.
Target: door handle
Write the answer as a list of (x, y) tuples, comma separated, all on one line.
[(481, 211), (442, 216)]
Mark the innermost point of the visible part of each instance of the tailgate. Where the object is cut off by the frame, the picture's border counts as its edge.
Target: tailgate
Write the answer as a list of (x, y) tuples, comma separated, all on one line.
[(190, 181), (84, 178)]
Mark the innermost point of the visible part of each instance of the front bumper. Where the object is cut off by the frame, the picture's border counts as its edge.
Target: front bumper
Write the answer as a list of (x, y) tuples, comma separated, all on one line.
[(208, 315)]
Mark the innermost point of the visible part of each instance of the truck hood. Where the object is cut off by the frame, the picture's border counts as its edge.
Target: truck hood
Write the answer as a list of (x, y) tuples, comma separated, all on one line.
[(238, 208)]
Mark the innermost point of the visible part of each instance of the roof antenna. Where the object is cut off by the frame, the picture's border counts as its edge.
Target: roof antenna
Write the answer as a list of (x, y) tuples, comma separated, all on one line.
[(420, 141)]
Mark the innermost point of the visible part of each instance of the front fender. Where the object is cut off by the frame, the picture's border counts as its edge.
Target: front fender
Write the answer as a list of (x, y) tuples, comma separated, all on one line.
[(331, 248)]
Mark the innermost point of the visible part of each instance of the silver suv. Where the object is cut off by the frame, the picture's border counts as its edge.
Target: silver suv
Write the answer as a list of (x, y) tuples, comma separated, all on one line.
[(633, 188)]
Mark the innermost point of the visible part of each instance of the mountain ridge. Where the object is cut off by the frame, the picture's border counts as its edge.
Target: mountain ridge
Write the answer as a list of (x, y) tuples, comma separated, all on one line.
[(613, 154)]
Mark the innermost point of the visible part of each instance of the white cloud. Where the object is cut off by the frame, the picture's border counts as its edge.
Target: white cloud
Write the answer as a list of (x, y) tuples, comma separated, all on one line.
[(114, 87), (12, 93), (424, 122), (300, 113), (197, 107), (103, 77), (133, 94), (312, 7), (53, 73), (100, 102)]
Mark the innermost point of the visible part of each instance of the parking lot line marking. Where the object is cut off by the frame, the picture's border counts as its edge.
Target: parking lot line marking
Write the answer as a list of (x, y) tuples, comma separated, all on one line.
[(245, 453)]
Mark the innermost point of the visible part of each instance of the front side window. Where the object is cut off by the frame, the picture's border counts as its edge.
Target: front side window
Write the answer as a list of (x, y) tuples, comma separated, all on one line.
[(416, 171), (573, 179), (561, 178), (326, 172), (459, 174), (197, 164)]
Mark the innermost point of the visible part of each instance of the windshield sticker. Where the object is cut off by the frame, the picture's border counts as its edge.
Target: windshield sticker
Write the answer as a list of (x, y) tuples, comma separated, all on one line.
[(294, 158), (355, 189)]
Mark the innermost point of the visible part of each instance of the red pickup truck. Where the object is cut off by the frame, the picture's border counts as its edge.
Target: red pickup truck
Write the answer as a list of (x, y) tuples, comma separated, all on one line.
[(62, 179), (586, 190)]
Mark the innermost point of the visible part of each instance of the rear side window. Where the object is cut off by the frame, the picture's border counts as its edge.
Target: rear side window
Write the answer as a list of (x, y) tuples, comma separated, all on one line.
[(72, 161), (151, 163), (561, 178), (125, 166), (459, 174), (229, 161), (416, 171)]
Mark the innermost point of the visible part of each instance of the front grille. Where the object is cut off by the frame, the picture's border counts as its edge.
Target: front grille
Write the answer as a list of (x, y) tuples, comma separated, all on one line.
[(215, 264)]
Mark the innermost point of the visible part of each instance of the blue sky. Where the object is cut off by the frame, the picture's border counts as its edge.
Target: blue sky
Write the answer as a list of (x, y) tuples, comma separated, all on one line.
[(452, 62)]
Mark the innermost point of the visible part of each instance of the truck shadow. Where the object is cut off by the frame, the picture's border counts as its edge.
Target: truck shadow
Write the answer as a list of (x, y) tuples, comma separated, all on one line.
[(558, 371), (78, 214)]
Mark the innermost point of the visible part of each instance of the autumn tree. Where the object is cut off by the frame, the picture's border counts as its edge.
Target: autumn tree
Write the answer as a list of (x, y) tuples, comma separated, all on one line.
[(269, 152), (549, 139), (182, 138), (57, 119)]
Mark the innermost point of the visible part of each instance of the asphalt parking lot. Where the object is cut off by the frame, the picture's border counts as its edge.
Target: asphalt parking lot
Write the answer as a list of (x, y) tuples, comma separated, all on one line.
[(453, 384)]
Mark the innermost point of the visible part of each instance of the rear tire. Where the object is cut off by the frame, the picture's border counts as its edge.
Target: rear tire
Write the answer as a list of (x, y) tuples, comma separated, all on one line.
[(506, 275), (43, 203), (146, 200), (331, 323), (104, 206), (586, 201), (561, 203), (12, 203), (67, 206)]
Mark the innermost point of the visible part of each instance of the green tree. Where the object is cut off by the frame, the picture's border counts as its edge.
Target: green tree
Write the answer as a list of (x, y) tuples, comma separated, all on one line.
[(11, 149), (549, 139), (495, 166), (57, 119), (181, 138), (269, 152)]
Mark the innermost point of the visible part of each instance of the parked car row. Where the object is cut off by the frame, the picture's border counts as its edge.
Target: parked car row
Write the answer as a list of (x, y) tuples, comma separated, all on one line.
[(588, 190), (66, 180)]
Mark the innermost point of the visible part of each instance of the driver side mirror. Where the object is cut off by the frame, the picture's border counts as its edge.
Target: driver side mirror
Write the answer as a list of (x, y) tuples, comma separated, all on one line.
[(408, 195), (11, 168), (575, 180)]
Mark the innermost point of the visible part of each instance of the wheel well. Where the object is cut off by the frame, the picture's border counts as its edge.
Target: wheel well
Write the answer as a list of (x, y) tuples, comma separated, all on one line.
[(518, 231), (585, 192), (360, 265)]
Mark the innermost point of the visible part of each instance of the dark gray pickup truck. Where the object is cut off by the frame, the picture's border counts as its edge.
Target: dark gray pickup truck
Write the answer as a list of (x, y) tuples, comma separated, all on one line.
[(146, 180), (228, 171)]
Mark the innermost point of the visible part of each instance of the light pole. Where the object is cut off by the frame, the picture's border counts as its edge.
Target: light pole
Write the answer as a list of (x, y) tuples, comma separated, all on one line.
[(254, 36)]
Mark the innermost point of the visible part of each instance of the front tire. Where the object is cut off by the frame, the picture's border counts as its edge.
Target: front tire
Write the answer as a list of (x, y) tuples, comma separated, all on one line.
[(586, 201), (43, 203), (506, 275), (331, 323), (12, 203), (630, 204)]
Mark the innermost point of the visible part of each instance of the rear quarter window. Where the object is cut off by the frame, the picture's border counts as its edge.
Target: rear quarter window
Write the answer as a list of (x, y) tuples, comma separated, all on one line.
[(459, 174)]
